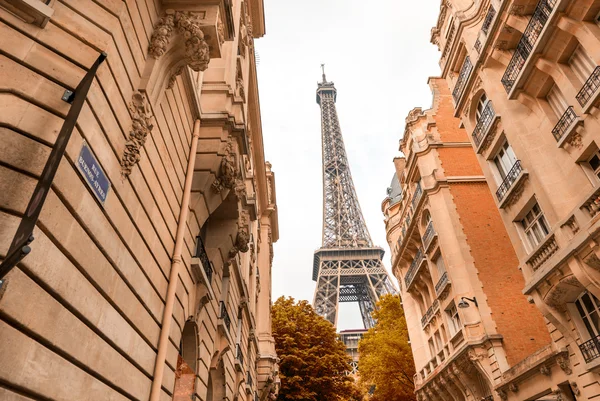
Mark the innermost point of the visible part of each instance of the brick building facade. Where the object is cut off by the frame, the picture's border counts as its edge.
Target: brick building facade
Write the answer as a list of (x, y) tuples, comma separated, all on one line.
[(525, 81), (461, 289), (160, 289)]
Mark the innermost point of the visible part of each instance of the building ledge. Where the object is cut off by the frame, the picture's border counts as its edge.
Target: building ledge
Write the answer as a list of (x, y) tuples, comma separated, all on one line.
[(533, 365)]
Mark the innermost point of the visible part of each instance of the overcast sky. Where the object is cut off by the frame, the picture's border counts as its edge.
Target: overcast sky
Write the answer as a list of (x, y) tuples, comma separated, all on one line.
[(379, 56)]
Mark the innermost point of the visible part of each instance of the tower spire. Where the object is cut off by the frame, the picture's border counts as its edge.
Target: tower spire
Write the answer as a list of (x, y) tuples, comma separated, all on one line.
[(347, 267)]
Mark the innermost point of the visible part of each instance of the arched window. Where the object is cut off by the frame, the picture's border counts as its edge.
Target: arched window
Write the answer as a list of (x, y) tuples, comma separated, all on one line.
[(481, 103)]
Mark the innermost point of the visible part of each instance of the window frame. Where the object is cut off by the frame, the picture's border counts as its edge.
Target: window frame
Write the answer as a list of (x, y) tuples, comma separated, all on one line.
[(451, 314), (528, 226)]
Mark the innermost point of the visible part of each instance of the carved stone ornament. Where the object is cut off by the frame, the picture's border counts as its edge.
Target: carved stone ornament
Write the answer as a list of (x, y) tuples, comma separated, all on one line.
[(593, 261), (559, 395), (513, 387), (575, 140), (517, 9), (544, 370), (188, 24), (572, 224), (575, 388), (239, 83), (221, 31), (516, 193), (243, 40), (476, 356), (563, 362), (240, 189), (503, 395), (141, 127), (227, 172)]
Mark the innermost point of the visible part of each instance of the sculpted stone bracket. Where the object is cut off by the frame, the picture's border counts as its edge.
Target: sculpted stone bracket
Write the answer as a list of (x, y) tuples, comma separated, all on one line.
[(200, 32), (228, 169), (142, 123)]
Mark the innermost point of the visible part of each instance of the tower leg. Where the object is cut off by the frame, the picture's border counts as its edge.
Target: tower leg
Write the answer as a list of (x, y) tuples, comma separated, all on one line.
[(327, 297)]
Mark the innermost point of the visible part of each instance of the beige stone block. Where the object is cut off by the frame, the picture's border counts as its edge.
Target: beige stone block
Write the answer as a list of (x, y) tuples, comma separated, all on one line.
[(169, 156), (7, 395), (29, 305), (28, 364), (16, 77), (50, 266), (20, 114), (168, 381)]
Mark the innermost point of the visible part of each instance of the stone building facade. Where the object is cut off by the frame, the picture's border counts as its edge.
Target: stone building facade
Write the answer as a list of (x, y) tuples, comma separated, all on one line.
[(467, 318), (525, 80), (160, 289)]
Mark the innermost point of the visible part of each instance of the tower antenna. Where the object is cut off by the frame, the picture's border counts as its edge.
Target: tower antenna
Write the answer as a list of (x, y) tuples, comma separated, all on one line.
[(323, 69)]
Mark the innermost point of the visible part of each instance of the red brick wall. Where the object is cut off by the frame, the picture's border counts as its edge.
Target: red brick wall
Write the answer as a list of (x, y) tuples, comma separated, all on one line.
[(459, 162), (519, 322)]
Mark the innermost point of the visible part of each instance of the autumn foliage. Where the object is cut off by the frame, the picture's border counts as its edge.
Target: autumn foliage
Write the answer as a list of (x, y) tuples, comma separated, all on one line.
[(313, 360), (386, 359)]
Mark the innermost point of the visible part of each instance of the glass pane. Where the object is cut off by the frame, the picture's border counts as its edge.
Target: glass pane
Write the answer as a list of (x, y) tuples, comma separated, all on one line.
[(543, 225), (595, 162), (587, 303)]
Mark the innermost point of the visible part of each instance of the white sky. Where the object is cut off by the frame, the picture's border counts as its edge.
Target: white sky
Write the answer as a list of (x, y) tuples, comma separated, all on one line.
[(379, 56)]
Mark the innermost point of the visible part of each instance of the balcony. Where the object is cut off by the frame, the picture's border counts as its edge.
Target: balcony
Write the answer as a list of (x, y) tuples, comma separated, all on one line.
[(249, 383), (442, 284), (482, 128), (414, 268), (463, 78), (543, 252), (201, 254), (225, 315), (527, 42), (589, 90), (565, 126), (590, 349), (428, 236), (431, 311), (485, 28), (239, 358), (417, 196), (510, 182)]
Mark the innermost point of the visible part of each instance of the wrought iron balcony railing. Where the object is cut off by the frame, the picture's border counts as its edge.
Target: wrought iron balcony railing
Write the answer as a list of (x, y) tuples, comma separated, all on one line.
[(428, 236), (483, 124), (463, 77), (248, 379), (417, 195), (201, 254), (238, 354), (487, 22), (414, 266), (225, 315), (435, 306), (591, 349), (441, 283), (509, 180), (561, 127), (525, 46), (478, 45), (589, 88)]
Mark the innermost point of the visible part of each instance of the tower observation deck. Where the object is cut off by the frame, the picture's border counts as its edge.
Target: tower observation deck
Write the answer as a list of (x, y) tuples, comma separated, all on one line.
[(347, 267)]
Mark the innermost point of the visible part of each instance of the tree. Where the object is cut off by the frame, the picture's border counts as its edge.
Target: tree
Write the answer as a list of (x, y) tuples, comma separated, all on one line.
[(386, 359), (313, 361)]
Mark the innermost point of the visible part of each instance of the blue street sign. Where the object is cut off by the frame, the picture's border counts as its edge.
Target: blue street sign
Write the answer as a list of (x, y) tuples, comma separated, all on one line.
[(91, 170)]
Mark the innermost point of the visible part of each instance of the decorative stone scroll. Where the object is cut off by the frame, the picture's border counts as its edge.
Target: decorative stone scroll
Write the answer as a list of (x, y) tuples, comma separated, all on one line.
[(593, 261), (188, 24), (239, 83), (563, 362), (141, 127), (227, 172)]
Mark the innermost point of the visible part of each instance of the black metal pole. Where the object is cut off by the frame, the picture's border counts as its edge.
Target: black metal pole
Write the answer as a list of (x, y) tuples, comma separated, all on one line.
[(19, 247)]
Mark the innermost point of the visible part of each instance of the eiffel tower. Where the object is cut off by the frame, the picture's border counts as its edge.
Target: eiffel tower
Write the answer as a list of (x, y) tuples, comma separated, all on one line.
[(347, 267)]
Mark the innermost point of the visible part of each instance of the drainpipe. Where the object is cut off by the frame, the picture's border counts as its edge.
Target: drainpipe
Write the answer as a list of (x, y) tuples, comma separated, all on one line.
[(163, 340)]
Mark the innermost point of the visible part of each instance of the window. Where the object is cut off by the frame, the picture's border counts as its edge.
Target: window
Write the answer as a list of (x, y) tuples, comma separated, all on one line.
[(581, 64), (588, 308), (505, 160), (454, 319), (439, 263), (594, 163), (535, 226), (481, 106), (432, 348), (36, 12), (450, 22), (556, 100)]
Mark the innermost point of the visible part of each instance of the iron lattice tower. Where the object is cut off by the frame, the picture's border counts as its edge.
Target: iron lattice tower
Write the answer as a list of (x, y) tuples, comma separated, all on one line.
[(347, 267)]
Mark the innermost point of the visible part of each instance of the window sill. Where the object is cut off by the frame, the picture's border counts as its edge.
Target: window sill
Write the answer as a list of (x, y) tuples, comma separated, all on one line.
[(568, 136), (514, 192), (33, 12)]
